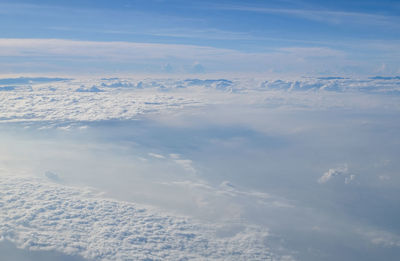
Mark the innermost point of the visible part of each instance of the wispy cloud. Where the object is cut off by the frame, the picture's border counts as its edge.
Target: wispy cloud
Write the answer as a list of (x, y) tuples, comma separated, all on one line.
[(183, 56), (52, 55), (209, 33), (321, 15), (118, 50)]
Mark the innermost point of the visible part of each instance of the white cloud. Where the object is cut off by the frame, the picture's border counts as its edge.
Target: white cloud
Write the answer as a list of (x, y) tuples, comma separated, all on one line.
[(187, 165), (40, 216), (114, 50), (349, 179), (333, 17), (312, 52), (227, 187), (71, 56), (120, 52), (60, 101), (174, 156), (334, 172), (130, 50), (155, 155), (151, 58), (227, 194), (380, 237)]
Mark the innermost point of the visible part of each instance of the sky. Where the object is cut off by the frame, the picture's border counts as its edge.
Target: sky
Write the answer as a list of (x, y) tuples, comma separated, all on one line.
[(180, 130), (197, 37)]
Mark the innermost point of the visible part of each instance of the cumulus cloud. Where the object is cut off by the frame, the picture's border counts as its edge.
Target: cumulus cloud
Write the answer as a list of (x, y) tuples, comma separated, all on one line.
[(41, 216), (72, 100), (27, 224), (335, 172), (67, 102), (91, 89)]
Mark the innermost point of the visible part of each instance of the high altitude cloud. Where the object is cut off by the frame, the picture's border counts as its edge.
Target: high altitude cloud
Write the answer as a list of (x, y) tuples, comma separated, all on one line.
[(95, 56)]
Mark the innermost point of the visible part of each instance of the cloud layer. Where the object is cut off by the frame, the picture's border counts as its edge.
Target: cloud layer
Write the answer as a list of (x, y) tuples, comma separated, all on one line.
[(89, 57), (40, 215), (28, 99)]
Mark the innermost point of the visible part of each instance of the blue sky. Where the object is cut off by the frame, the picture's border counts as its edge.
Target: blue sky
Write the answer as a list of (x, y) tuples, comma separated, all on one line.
[(285, 37)]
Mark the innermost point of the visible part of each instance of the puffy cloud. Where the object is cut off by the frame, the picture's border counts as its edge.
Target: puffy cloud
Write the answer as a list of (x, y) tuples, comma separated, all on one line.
[(91, 89), (334, 172), (71, 100), (43, 216)]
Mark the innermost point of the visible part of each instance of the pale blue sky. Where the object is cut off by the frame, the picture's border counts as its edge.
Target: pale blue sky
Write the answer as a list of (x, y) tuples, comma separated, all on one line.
[(287, 37)]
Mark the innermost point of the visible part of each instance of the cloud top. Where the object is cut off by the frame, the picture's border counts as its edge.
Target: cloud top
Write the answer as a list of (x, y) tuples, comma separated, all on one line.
[(40, 215), (127, 98)]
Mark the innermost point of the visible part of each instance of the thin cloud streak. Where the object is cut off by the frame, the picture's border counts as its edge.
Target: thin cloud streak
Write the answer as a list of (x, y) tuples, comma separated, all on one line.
[(332, 17), (73, 55), (217, 59)]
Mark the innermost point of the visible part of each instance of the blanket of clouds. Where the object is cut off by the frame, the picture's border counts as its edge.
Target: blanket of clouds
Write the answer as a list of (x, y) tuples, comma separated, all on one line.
[(196, 130), (58, 99), (224, 169), (39, 215)]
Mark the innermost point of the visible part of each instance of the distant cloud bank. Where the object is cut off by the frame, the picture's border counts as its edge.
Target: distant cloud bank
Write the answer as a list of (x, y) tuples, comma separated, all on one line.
[(95, 57)]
